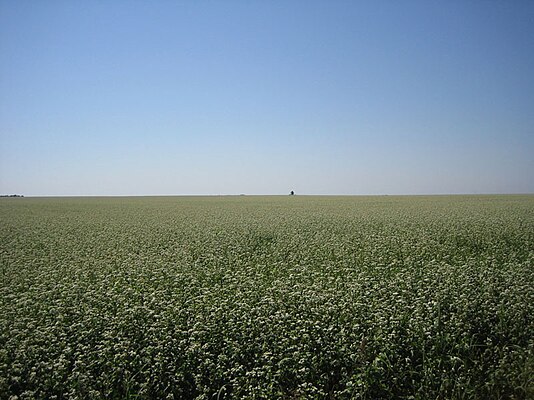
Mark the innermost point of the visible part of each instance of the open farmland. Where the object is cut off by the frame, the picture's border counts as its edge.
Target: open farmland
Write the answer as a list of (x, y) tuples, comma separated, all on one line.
[(267, 297)]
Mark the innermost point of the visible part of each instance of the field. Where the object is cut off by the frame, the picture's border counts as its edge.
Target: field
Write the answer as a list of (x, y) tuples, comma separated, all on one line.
[(267, 297)]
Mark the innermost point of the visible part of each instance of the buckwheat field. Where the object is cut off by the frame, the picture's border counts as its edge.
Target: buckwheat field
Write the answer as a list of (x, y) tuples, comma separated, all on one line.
[(267, 297)]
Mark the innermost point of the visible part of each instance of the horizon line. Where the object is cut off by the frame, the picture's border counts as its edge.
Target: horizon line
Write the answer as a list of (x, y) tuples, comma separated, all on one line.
[(19, 196)]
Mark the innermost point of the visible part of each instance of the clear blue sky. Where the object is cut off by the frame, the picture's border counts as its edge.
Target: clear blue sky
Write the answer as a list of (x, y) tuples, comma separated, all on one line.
[(228, 97)]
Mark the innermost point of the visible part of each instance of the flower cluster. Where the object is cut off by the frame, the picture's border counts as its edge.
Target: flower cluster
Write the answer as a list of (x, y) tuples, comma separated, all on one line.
[(267, 297)]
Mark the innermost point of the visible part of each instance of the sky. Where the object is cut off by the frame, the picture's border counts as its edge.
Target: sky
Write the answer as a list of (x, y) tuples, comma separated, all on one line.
[(265, 97)]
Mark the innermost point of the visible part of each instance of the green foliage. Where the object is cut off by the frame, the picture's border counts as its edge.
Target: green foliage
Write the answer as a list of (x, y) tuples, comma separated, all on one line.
[(267, 297)]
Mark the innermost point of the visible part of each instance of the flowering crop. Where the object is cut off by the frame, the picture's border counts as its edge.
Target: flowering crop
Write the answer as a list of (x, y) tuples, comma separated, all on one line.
[(267, 297)]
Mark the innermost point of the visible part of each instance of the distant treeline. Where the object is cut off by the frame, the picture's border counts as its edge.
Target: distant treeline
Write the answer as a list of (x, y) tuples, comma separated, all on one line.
[(11, 195)]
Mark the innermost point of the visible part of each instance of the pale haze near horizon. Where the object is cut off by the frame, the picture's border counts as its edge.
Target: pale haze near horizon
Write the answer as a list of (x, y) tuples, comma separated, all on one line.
[(162, 98)]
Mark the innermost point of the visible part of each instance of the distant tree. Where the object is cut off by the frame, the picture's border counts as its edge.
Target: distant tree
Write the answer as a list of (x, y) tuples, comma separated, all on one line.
[(292, 193)]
